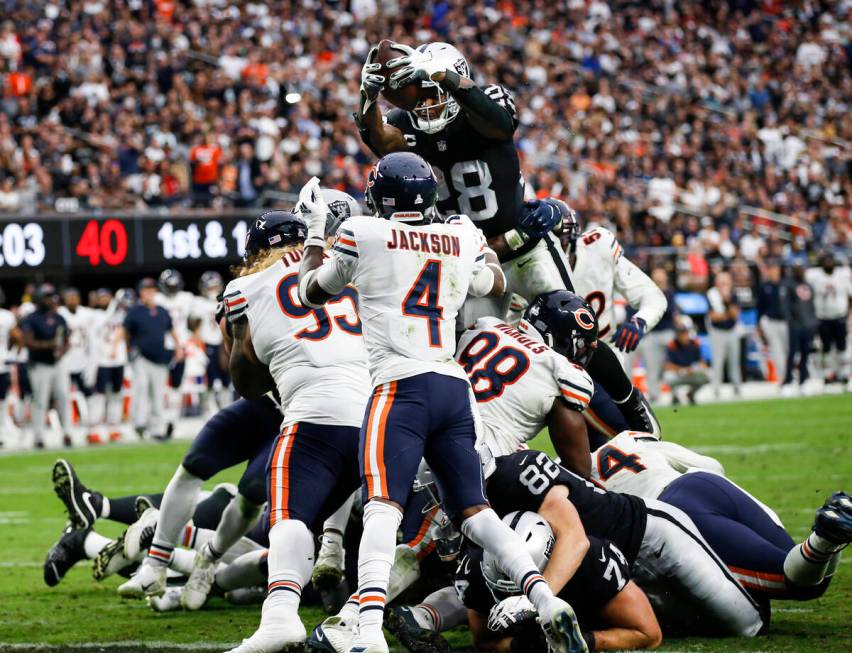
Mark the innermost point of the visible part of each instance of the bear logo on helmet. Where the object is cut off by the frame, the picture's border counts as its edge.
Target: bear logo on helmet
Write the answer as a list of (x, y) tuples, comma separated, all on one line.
[(584, 318)]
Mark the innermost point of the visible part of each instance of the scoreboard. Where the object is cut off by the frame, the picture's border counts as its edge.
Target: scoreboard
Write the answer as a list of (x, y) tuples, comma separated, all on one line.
[(92, 244)]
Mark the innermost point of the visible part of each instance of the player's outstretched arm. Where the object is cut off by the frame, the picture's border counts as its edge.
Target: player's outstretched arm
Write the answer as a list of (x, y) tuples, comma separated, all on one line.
[(570, 438), (492, 111), (251, 377), (379, 136)]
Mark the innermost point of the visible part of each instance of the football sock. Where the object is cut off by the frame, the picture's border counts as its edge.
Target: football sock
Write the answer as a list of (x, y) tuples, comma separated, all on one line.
[(208, 511), (440, 610), (123, 509), (404, 571), (487, 530), (375, 557), (290, 561), (337, 522), (349, 611), (239, 516), (93, 544), (175, 511), (97, 408), (248, 570), (809, 562), (183, 561)]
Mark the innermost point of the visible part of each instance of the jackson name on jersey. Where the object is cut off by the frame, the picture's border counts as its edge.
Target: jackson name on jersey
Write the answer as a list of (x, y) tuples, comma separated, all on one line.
[(601, 269), (315, 355), (525, 375)]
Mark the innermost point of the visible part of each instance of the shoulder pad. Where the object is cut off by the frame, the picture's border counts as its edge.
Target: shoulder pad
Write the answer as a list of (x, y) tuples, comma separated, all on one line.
[(575, 384)]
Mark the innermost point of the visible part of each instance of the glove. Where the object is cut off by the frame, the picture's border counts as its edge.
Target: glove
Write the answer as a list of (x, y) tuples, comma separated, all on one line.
[(509, 612), (412, 67), (539, 218), (314, 210), (371, 82), (630, 333)]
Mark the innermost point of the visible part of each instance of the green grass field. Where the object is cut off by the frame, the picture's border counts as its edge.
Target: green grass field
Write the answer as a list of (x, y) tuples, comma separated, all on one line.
[(789, 453)]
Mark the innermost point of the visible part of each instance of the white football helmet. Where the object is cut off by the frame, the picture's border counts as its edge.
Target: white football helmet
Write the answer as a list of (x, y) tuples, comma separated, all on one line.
[(443, 57), (341, 206), (536, 534)]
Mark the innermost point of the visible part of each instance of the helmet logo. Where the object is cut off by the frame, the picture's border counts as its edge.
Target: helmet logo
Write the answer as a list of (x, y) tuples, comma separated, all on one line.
[(584, 318), (461, 67), (260, 223), (339, 209), (418, 199)]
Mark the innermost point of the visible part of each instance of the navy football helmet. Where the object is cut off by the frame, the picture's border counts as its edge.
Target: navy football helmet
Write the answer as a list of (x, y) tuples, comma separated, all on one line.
[(567, 323), (275, 229), (170, 282), (402, 187)]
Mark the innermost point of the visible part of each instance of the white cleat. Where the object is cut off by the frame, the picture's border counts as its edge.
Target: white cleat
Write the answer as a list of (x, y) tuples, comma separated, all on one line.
[(334, 635), (372, 647), (562, 631), (149, 580), (287, 634), (139, 535), (168, 602), (328, 570), (194, 593)]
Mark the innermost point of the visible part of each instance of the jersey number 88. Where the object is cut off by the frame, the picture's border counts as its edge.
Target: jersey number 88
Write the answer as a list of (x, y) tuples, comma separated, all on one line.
[(502, 367)]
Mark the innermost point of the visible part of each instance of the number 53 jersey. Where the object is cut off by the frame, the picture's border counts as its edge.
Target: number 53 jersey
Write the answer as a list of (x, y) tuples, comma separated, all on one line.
[(316, 356), (515, 379)]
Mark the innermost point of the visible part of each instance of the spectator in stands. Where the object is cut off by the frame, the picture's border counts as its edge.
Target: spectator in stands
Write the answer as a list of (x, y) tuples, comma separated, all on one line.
[(772, 316), (722, 322), (250, 175), (684, 365), (653, 346), (204, 158), (801, 324)]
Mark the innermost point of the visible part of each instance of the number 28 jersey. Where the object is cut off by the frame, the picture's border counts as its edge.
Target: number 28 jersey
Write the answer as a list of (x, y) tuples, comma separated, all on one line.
[(316, 356), (515, 379)]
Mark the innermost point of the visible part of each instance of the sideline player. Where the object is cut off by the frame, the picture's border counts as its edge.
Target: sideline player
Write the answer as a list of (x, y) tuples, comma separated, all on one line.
[(7, 324), (832, 289), (80, 321), (110, 347), (178, 302), (315, 358), (413, 275), (204, 308)]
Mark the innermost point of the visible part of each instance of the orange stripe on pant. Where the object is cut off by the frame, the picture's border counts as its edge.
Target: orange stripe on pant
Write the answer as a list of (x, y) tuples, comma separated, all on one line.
[(374, 446), (280, 476)]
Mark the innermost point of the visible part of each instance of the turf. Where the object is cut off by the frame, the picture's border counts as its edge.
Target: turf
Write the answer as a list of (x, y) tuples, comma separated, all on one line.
[(789, 453)]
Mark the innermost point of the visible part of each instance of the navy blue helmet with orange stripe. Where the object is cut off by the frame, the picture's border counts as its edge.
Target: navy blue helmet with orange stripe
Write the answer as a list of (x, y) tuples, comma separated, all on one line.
[(275, 229), (566, 322), (402, 187)]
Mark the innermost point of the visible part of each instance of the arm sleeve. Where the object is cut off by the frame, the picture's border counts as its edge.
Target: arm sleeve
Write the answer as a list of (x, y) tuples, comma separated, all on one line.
[(492, 106), (236, 302), (639, 290), (683, 459), (338, 270), (575, 384)]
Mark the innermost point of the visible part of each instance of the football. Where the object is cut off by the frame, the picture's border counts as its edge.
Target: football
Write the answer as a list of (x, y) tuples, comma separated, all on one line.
[(405, 98)]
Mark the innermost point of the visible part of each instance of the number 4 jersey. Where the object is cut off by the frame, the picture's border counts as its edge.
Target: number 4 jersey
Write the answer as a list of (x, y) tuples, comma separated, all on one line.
[(516, 378), (316, 356)]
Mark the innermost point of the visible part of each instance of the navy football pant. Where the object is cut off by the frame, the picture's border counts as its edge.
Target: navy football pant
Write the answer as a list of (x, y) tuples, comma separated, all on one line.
[(425, 416), (242, 431), (311, 472)]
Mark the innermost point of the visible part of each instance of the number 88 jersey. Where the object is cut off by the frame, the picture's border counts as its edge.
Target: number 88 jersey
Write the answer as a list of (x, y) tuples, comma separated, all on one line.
[(316, 356), (515, 379)]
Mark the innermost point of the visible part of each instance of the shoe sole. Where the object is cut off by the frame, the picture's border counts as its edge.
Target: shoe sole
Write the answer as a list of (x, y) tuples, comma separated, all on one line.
[(326, 578), (566, 624), (105, 556), (64, 482), (433, 643)]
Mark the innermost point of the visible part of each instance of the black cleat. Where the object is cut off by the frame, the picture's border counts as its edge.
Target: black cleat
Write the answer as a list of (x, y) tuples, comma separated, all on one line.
[(63, 555), (401, 622), (834, 520), (83, 505)]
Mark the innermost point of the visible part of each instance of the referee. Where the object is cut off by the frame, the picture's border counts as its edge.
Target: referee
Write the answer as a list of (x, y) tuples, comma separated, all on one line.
[(45, 335), (146, 326)]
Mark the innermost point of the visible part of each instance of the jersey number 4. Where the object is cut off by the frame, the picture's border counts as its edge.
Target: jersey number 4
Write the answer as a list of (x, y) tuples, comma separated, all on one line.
[(502, 367), (422, 300), (288, 289)]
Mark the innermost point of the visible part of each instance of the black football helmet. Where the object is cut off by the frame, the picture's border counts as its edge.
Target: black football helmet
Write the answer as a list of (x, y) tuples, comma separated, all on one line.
[(403, 188), (567, 323), (170, 282), (275, 229)]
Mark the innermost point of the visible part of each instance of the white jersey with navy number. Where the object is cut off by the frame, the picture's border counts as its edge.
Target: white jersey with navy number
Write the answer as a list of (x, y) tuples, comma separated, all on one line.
[(7, 323), (316, 356), (204, 309), (80, 324), (601, 269), (179, 307), (411, 282), (515, 379), (831, 292)]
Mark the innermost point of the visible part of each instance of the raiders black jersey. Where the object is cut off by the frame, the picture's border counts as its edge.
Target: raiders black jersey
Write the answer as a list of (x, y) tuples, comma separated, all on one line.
[(477, 176), (602, 574), (522, 480)]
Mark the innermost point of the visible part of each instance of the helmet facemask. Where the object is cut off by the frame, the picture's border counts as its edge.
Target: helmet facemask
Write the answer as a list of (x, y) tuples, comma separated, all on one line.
[(435, 110)]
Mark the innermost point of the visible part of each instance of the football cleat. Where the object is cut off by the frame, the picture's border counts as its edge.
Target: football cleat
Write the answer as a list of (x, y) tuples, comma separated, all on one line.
[(834, 520), (110, 560), (372, 647), (142, 504), (328, 570), (563, 633), (138, 536), (400, 621), (83, 505), (288, 634), (94, 438), (334, 635), (194, 593), (149, 580), (246, 595), (64, 554), (169, 601)]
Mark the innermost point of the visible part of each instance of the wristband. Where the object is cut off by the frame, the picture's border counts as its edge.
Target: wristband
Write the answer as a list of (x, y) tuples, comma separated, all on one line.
[(314, 241), (590, 640), (452, 81), (515, 239)]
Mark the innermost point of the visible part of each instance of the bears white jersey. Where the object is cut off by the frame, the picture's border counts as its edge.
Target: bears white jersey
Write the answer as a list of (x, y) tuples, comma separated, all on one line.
[(7, 323), (108, 334), (80, 324), (179, 307), (831, 292), (316, 356), (515, 379), (411, 282), (204, 309), (601, 270)]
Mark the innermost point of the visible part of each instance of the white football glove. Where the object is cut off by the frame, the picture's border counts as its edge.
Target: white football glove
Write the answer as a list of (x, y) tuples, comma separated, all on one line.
[(314, 210), (509, 612), (412, 67), (371, 83)]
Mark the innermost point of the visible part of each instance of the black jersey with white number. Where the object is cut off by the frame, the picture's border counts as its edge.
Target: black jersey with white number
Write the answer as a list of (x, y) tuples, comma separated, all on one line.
[(602, 574), (522, 480), (477, 176)]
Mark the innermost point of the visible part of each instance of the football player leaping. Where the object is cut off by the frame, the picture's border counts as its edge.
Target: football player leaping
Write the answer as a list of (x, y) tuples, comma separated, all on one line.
[(412, 276)]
